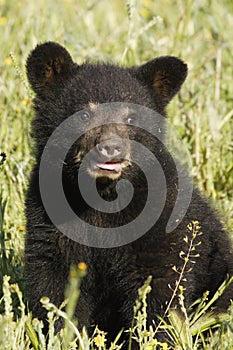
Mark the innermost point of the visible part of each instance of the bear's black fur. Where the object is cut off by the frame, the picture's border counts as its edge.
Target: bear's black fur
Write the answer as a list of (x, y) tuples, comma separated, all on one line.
[(109, 290)]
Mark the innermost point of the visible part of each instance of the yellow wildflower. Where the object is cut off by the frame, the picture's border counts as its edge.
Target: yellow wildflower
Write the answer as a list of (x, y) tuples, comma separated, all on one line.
[(3, 21), (26, 101), (149, 347), (82, 266), (99, 340), (8, 61)]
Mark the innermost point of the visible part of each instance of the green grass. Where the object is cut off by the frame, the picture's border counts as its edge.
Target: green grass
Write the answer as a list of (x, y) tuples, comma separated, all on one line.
[(199, 32)]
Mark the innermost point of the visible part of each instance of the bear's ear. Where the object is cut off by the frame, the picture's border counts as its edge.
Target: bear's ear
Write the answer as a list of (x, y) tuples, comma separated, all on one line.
[(45, 64), (164, 75)]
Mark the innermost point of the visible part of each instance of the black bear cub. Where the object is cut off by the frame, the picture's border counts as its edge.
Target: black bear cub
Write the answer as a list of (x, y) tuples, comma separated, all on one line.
[(115, 273)]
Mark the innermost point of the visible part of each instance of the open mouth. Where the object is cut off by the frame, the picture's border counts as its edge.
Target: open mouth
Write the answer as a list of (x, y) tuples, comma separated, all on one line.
[(111, 169), (109, 166)]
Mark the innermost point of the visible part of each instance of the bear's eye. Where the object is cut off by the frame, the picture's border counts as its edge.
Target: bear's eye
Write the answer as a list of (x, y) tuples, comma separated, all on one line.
[(132, 119), (85, 116)]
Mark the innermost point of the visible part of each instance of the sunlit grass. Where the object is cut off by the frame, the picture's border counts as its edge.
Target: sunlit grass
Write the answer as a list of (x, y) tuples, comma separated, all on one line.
[(128, 33)]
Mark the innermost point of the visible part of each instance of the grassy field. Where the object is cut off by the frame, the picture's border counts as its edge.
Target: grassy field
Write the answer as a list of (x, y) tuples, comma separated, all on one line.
[(200, 32)]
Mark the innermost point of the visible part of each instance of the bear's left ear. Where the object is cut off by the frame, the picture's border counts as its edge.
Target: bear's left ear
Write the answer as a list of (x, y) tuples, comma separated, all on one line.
[(163, 75), (46, 64)]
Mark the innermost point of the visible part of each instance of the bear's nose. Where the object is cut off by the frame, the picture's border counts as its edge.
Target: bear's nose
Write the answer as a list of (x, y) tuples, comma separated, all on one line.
[(110, 148)]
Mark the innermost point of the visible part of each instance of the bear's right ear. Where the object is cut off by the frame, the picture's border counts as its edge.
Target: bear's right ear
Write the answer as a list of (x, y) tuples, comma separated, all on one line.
[(45, 64)]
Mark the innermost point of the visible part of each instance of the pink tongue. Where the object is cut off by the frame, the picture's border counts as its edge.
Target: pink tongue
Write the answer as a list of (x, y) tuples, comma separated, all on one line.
[(109, 166)]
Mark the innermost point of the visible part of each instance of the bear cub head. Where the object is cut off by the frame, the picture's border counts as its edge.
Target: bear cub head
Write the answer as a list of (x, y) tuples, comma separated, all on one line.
[(63, 88)]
